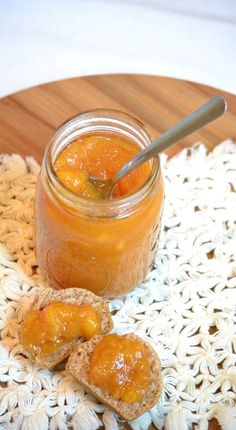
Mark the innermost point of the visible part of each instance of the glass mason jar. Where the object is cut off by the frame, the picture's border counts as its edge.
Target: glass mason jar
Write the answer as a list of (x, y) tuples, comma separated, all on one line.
[(105, 246)]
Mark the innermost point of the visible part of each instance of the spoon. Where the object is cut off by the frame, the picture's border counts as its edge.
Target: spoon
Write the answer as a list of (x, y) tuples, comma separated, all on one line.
[(211, 110)]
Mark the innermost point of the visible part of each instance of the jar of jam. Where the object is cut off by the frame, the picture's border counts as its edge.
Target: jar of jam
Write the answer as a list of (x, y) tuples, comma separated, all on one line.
[(82, 240)]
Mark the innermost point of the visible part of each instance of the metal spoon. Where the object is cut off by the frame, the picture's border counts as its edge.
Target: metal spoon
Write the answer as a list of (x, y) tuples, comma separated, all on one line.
[(202, 116)]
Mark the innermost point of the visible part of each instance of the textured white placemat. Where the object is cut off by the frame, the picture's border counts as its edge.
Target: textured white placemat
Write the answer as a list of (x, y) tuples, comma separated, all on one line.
[(185, 309)]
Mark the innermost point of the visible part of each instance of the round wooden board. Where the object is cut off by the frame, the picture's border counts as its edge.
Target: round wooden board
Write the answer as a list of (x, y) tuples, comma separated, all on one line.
[(28, 118)]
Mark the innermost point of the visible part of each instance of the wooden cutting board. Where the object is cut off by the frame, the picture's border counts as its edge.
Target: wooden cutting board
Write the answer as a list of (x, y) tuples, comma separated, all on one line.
[(28, 118)]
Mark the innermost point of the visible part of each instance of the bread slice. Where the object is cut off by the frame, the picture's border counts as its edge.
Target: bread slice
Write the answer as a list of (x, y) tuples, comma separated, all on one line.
[(75, 296), (78, 365)]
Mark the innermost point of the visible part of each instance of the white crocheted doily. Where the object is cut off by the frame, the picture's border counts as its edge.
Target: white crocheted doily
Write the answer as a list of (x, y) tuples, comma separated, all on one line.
[(185, 309)]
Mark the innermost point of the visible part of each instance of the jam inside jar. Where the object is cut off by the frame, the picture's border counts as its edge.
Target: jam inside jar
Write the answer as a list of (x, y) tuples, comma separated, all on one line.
[(106, 246)]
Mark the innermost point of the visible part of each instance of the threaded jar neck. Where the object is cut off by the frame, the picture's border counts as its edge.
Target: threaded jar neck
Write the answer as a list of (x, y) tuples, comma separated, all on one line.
[(102, 121)]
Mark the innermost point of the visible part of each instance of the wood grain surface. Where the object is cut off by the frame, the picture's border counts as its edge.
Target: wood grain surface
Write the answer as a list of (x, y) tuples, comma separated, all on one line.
[(29, 118)]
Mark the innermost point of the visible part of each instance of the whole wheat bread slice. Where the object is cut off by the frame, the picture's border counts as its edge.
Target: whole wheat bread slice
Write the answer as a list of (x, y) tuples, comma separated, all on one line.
[(78, 365), (74, 296)]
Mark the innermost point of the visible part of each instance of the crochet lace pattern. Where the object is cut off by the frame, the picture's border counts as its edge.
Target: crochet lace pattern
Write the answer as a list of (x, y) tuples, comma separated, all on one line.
[(185, 309)]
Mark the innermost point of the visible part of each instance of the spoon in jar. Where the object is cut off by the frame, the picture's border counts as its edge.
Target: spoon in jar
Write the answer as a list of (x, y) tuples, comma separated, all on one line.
[(211, 110)]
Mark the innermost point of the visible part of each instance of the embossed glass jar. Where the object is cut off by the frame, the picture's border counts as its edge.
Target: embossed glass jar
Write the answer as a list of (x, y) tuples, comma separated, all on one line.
[(106, 246)]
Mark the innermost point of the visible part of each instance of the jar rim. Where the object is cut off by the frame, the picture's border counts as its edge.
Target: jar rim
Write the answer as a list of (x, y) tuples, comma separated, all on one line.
[(76, 202)]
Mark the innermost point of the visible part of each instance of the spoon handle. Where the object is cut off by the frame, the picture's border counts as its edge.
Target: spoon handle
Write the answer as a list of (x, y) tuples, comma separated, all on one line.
[(202, 116)]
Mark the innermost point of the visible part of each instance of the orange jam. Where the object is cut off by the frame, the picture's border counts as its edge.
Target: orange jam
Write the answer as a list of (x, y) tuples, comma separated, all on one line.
[(82, 240), (120, 366), (101, 156), (45, 330)]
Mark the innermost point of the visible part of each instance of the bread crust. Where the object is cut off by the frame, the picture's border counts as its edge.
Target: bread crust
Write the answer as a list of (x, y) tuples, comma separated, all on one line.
[(74, 296), (78, 365)]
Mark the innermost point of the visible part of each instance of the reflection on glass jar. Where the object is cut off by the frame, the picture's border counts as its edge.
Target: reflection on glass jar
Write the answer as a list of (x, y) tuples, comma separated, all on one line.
[(106, 246)]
